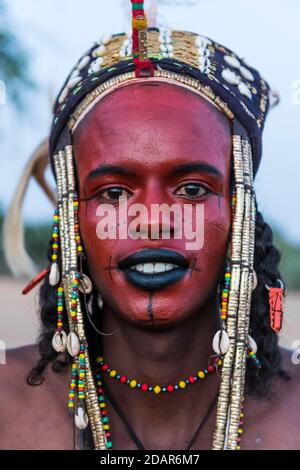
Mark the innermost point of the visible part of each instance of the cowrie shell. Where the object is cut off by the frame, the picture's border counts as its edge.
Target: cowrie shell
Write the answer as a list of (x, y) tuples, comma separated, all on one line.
[(81, 419), (232, 61), (63, 95), (99, 51), (244, 90), (54, 275), (105, 39), (59, 341), (96, 65), (247, 74), (221, 342), (83, 62), (73, 344), (230, 77), (73, 82), (252, 344), (75, 73), (85, 284)]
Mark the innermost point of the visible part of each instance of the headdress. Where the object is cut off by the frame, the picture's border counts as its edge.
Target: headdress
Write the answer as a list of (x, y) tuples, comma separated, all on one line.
[(216, 73)]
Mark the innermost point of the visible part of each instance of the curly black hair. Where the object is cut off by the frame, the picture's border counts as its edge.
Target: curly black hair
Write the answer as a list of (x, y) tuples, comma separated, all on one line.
[(266, 262)]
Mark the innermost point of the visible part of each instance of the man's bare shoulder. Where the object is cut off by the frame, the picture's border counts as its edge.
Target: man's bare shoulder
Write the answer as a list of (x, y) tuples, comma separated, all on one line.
[(274, 421), (26, 411)]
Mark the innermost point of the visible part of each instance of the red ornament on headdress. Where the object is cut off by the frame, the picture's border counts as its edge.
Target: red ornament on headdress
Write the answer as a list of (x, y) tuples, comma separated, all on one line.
[(143, 65)]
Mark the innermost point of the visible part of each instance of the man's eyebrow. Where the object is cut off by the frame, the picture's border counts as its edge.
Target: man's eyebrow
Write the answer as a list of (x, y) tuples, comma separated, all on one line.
[(109, 170), (201, 167)]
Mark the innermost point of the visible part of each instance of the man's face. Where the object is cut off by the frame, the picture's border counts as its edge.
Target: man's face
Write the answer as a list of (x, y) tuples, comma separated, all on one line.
[(141, 146)]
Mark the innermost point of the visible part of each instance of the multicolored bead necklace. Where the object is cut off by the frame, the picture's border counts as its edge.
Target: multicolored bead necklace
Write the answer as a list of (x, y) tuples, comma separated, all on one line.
[(102, 367), (182, 384)]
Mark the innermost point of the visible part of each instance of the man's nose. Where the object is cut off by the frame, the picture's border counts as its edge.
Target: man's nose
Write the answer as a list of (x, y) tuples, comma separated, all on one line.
[(155, 221)]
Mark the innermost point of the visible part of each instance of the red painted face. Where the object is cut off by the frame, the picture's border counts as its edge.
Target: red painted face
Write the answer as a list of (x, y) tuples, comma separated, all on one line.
[(153, 144)]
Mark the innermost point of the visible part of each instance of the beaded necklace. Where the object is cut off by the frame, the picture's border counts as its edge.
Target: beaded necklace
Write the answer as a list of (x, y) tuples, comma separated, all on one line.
[(102, 389)]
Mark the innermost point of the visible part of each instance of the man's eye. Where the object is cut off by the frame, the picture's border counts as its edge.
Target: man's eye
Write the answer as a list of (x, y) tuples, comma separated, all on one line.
[(192, 190), (115, 194)]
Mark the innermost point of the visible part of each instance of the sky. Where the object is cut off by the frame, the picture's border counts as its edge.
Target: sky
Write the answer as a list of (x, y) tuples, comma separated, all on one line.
[(57, 32)]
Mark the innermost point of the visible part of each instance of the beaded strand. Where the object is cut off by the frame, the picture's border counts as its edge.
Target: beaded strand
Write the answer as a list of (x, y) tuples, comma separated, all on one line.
[(182, 384)]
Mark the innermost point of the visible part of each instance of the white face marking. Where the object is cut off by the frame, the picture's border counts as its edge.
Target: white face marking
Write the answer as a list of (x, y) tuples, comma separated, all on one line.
[(154, 268)]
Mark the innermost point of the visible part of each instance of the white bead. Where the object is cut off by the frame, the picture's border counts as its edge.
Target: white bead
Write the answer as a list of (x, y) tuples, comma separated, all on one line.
[(247, 74), (252, 344), (221, 342), (81, 419), (99, 51), (84, 62), (63, 95), (73, 344), (230, 77), (59, 341), (54, 275), (232, 61), (244, 90), (85, 284), (73, 82)]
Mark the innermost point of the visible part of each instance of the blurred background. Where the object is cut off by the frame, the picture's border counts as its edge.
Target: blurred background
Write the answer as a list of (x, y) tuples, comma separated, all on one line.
[(39, 44)]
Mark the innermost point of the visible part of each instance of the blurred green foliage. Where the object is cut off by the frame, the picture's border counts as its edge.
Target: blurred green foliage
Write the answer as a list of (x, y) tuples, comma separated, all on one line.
[(37, 237), (14, 59)]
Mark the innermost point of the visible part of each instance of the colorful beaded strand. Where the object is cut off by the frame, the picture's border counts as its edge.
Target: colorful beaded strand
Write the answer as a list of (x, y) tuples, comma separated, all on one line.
[(182, 384)]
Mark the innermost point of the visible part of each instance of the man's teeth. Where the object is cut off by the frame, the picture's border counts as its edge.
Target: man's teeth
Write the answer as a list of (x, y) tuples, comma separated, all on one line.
[(154, 268)]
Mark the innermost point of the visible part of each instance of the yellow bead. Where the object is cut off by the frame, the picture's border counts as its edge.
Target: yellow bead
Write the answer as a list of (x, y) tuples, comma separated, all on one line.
[(102, 405), (157, 389), (238, 447), (201, 374), (220, 362), (55, 245), (223, 317), (182, 384), (80, 248), (60, 309), (60, 289), (54, 257), (133, 383), (240, 431), (99, 359), (225, 294), (242, 415), (106, 427), (113, 373)]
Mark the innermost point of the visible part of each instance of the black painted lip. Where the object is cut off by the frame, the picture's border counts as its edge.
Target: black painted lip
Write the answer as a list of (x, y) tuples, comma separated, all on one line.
[(154, 255), (157, 281)]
